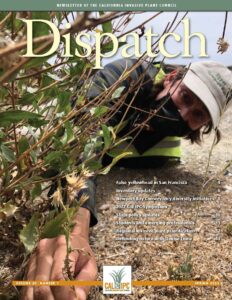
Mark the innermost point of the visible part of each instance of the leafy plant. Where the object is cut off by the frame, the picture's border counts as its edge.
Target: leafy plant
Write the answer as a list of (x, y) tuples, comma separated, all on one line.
[(51, 135), (181, 271), (30, 234), (229, 229)]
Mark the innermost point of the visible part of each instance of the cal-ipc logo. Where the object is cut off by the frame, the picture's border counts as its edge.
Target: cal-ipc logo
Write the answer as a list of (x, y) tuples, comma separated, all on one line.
[(116, 279)]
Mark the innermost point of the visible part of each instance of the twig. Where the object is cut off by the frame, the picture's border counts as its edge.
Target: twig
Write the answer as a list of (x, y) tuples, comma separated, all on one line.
[(225, 22), (5, 19), (115, 255), (41, 71), (21, 45), (78, 26), (225, 277)]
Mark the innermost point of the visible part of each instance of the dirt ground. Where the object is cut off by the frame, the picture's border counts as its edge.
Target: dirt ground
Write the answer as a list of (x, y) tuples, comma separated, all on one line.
[(210, 249)]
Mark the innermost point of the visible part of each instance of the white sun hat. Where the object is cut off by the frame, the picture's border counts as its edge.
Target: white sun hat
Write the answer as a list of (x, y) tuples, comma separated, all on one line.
[(212, 83)]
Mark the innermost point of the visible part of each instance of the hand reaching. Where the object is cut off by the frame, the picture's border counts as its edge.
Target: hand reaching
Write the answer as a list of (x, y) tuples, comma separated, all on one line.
[(47, 263)]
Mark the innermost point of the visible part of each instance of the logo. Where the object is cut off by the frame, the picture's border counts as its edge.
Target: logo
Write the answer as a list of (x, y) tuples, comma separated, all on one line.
[(116, 279)]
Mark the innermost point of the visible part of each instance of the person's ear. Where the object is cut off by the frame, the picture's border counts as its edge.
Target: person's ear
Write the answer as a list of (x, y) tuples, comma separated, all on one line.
[(168, 79)]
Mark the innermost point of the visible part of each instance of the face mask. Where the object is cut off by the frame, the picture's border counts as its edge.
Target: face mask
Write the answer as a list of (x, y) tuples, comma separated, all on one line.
[(167, 121)]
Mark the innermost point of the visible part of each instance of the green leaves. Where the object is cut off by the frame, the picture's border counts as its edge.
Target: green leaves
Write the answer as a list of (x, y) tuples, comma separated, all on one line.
[(7, 210), (3, 93), (229, 229), (117, 93), (7, 153), (68, 133), (93, 146), (93, 165), (182, 271), (110, 46), (40, 28), (58, 160), (30, 234), (78, 68), (107, 26), (23, 145), (29, 98), (114, 161), (55, 226), (64, 104), (106, 136), (15, 116), (38, 61), (99, 111), (43, 137), (36, 191)]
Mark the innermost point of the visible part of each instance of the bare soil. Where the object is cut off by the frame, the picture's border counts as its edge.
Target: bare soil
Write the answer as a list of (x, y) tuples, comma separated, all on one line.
[(210, 249)]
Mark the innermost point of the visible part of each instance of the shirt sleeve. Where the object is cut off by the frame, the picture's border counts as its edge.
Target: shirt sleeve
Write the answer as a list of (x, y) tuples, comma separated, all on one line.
[(140, 78)]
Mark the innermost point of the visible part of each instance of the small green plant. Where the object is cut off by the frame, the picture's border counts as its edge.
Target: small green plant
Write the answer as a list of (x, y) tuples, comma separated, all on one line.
[(181, 271), (229, 229)]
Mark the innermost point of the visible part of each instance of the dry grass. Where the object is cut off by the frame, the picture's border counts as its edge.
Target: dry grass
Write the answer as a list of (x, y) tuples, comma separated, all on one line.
[(211, 259)]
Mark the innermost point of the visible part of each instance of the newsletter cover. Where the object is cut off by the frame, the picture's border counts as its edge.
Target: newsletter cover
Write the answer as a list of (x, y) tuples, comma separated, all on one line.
[(115, 150)]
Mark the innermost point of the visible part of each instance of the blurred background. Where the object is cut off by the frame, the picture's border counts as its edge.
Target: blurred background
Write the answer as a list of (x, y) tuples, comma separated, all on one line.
[(210, 24)]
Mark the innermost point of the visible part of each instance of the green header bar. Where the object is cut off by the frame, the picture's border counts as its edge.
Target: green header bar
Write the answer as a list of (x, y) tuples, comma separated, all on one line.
[(120, 5)]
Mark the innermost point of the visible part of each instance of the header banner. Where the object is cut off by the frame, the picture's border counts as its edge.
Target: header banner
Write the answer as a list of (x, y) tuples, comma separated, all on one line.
[(120, 5)]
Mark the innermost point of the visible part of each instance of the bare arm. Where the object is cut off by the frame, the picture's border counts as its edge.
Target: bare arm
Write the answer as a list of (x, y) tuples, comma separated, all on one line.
[(47, 263)]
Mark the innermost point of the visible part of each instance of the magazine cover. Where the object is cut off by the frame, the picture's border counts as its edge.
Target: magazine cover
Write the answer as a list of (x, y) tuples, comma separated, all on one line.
[(115, 150)]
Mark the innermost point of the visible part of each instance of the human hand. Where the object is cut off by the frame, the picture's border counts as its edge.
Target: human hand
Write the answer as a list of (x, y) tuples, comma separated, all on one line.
[(47, 263)]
